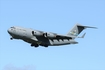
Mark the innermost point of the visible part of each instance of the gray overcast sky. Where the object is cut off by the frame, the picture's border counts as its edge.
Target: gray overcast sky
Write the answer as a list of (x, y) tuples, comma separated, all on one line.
[(53, 16)]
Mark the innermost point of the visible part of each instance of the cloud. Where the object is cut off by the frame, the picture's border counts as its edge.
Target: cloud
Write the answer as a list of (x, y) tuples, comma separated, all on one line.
[(12, 67)]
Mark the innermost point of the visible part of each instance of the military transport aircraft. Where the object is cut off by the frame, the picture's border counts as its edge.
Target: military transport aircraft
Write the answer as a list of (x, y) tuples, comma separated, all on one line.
[(39, 38)]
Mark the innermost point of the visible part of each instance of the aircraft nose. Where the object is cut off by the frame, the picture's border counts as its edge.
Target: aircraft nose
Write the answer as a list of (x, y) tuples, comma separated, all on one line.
[(9, 30)]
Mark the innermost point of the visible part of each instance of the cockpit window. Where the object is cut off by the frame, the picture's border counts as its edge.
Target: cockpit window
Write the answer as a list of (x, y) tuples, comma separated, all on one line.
[(13, 27)]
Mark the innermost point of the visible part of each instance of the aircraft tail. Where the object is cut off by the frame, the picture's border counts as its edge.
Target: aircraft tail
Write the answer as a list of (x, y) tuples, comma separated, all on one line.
[(77, 29)]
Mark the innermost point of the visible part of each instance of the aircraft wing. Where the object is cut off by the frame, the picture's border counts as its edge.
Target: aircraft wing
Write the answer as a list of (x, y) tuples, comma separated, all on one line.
[(50, 35), (56, 36), (63, 37)]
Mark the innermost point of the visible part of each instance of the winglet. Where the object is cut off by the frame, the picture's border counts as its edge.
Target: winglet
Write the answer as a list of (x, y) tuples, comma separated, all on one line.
[(82, 35)]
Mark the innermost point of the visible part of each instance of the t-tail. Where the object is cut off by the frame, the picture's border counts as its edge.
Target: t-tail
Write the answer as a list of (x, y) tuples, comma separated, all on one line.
[(76, 30)]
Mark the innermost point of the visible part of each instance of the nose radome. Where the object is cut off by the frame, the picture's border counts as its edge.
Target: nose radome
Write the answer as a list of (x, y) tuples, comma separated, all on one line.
[(9, 30)]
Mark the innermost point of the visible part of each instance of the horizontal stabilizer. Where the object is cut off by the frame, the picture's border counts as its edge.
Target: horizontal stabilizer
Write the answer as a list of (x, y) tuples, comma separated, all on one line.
[(87, 26)]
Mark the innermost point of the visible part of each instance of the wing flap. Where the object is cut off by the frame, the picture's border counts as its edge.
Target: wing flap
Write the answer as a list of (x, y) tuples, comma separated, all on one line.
[(61, 37)]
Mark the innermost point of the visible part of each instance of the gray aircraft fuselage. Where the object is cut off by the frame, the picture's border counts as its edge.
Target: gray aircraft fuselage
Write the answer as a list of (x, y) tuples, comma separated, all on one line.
[(25, 34)]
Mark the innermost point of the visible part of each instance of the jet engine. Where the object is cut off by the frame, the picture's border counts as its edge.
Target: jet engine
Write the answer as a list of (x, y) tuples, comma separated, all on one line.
[(37, 33), (50, 35)]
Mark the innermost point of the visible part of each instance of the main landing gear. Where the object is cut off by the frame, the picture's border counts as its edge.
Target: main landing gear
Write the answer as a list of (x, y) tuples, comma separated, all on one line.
[(35, 45), (45, 45)]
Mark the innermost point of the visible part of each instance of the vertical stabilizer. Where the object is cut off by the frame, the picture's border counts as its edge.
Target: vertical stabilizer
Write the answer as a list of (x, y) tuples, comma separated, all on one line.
[(77, 29)]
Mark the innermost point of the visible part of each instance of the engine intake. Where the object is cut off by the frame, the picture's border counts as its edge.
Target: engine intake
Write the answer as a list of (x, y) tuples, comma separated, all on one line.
[(50, 35), (37, 33)]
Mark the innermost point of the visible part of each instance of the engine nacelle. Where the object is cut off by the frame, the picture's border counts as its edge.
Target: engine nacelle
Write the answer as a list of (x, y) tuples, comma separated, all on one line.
[(37, 33), (50, 35)]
